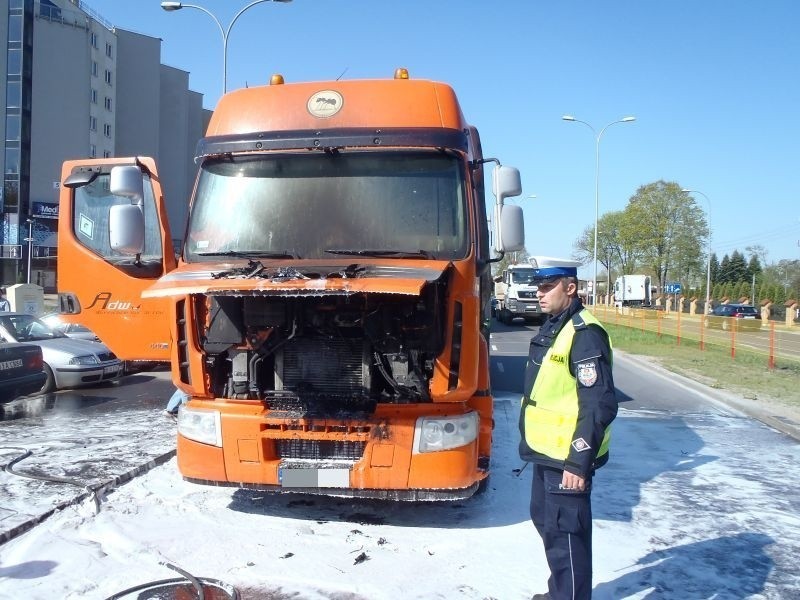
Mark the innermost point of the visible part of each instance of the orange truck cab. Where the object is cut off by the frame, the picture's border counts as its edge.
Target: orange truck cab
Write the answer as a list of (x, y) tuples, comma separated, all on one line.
[(326, 311)]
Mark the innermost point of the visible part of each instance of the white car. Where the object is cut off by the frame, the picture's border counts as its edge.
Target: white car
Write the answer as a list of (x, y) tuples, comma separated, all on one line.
[(73, 330), (68, 362)]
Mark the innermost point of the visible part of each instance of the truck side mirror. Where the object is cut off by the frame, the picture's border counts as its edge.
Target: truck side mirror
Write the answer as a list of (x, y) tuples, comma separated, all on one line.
[(126, 221), (509, 224), (126, 229)]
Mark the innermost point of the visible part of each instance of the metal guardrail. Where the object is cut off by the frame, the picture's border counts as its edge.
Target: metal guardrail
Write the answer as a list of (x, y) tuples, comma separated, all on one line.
[(774, 341)]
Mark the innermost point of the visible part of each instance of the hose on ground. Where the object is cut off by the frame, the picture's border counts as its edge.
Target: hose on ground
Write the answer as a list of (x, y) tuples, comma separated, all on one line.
[(51, 478), (196, 582)]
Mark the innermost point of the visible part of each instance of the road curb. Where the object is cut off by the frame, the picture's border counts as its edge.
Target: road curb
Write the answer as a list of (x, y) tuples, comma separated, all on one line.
[(98, 490), (787, 422)]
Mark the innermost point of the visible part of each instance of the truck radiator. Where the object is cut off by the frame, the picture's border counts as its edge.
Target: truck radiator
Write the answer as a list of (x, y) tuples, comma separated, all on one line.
[(318, 367)]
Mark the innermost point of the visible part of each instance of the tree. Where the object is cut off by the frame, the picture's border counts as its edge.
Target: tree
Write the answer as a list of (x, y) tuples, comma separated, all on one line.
[(754, 267), (672, 227), (617, 244), (724, 269), (714, 267), (737, 268)]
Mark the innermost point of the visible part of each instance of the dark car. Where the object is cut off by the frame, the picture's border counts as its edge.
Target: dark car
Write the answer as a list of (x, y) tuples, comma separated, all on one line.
[(21, 370), (744, 317)]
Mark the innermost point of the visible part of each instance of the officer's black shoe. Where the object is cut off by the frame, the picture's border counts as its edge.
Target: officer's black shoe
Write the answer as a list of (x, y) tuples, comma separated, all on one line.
[(545, 596)]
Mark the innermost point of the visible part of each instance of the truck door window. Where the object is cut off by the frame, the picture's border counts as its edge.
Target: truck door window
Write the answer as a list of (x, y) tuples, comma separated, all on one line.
[(90, 220), (307, 205)]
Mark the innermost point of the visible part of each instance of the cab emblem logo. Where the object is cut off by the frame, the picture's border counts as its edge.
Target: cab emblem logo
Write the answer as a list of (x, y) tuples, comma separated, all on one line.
[(324, 104), (104, 302)]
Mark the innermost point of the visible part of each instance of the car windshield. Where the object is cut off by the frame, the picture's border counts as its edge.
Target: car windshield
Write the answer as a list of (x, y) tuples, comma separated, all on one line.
[(523, 276), (26, 328), (399, 204)]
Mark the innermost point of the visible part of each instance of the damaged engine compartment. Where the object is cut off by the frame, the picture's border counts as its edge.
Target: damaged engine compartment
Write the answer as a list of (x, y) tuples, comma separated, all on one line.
[(322, 355)]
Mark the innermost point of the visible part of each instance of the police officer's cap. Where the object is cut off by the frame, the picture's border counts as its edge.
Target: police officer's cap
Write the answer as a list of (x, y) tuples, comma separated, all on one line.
[(549, 269)]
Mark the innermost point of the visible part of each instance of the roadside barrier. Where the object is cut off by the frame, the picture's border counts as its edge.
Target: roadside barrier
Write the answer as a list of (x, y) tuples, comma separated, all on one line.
[(770, 340)]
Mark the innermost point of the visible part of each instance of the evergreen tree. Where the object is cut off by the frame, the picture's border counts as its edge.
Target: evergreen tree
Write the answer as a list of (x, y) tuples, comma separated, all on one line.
[(754, 267), (716, 291), (737, 268), (724, 268), (714, 267)]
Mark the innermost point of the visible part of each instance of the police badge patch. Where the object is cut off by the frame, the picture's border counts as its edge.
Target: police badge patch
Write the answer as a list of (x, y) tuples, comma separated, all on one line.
[(580, 445), (587, 373)]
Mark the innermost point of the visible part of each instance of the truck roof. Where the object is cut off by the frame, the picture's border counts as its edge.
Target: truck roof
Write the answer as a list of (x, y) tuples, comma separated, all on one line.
[(376, 103)]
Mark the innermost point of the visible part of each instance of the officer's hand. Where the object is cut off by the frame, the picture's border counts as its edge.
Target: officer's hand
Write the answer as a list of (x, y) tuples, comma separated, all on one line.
[(570, 481)]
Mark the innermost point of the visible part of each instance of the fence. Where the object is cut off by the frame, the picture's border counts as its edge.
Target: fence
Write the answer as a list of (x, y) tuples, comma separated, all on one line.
[(770, 340)]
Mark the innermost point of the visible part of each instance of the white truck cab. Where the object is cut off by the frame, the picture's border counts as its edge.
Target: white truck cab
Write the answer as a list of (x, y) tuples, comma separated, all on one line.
[(515, 293)]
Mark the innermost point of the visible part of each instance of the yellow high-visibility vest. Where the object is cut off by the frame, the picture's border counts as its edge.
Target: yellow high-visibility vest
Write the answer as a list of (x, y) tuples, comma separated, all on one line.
[(551, 412)]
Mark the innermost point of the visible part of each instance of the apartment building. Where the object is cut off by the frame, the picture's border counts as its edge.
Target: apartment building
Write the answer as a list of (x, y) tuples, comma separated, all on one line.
[(78, 86)]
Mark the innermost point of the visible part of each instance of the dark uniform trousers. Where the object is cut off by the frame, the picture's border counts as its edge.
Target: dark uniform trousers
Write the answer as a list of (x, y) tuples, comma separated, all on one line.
[(563, 519)]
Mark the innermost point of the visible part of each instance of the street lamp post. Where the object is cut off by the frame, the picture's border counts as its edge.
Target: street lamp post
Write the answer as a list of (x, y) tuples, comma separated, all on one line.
[(29, 239), (598, 137), (171, 6), (708, 250)]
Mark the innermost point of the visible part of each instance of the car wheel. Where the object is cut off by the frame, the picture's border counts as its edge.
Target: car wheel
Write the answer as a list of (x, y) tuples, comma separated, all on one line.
[(50, 382)]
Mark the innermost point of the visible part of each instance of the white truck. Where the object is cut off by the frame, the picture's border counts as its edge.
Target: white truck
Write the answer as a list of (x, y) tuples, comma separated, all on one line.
[(515, 295), (633, 290)]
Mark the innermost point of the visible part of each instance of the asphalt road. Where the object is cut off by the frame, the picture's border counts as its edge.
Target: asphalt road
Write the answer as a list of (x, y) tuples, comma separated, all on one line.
[(699, 498)]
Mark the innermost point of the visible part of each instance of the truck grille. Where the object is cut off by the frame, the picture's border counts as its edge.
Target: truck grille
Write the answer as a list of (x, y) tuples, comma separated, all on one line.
[(320, 449)]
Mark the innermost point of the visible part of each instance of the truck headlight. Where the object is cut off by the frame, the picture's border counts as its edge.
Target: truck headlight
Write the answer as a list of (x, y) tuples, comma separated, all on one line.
[(200, 425), (432, 434)]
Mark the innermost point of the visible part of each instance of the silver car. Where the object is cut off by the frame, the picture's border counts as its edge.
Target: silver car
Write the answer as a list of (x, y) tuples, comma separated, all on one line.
[(73, 330), (68, 362)]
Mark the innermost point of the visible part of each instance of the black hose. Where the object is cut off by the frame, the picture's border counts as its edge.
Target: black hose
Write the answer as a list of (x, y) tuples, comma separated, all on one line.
[(197, 582), (26, 453)]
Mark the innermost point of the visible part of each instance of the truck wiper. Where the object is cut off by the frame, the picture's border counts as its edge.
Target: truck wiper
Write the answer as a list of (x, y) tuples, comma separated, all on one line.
[(392, 253), (250, 254)]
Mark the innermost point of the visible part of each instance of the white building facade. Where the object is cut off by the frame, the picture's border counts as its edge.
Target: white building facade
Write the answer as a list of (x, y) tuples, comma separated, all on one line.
[(76, 87)]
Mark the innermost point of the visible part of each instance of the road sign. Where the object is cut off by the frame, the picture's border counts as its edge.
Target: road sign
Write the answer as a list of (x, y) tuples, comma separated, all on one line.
[(672, 288)]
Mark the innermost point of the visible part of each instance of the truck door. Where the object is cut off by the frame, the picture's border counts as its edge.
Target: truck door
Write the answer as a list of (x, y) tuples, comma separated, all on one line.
[(101, 288)]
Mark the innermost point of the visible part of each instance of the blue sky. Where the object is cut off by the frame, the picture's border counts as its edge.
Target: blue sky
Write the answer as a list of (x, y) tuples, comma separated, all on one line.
[(714, 86)]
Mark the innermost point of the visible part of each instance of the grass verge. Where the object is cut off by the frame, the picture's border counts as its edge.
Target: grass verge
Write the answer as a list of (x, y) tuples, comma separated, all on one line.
[(746, 375)]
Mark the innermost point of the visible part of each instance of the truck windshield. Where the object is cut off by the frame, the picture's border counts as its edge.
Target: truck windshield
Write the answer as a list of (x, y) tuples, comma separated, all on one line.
[(522, 276), (392, 204)]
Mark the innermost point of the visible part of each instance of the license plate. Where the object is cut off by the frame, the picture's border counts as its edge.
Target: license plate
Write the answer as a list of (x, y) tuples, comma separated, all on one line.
[(110, 370), (316, 478)]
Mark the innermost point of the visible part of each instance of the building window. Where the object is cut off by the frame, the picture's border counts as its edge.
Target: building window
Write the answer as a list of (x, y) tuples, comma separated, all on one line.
[(92, 151), (107, 130), (13, 94), (108, 103), (92, 123), (93, 39), (94, 96), (94, 68), (108, 77), (106, 154), (109, 51)]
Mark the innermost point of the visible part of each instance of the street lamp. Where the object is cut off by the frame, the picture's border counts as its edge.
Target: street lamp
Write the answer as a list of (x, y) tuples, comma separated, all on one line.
[(598, 136), (171, 6), (708, 249), (29, 239)]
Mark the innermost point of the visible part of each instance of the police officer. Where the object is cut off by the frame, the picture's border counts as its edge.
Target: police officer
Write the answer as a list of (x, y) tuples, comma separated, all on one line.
[(567, 408)]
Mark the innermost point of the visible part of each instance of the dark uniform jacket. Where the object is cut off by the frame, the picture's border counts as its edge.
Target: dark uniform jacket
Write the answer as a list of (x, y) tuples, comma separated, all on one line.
[(597, 402)]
